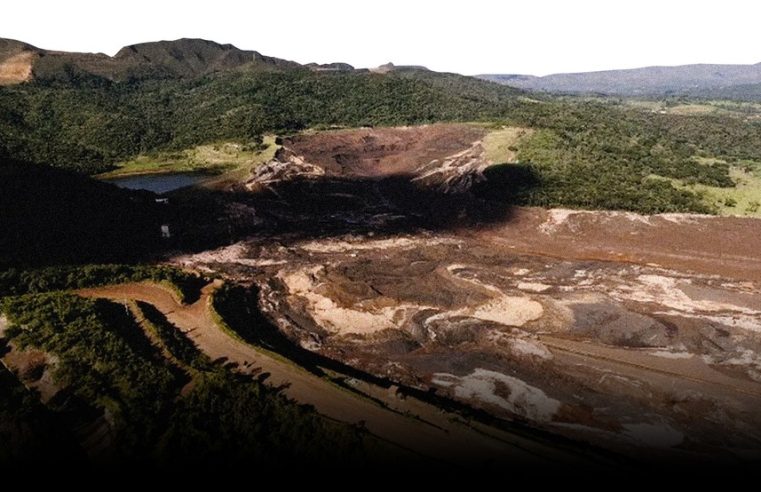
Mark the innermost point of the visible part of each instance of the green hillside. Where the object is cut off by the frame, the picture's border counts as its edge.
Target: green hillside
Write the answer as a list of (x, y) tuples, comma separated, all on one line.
[(92, 123), (589, 153)]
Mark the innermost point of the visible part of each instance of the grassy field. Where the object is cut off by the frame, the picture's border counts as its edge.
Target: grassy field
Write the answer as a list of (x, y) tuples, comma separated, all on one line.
[(743, 200), (502, 145), (696, 108), (218, 158)]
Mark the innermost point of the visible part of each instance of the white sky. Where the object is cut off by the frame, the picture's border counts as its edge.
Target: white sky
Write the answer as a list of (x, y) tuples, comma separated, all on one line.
[(466, 36)]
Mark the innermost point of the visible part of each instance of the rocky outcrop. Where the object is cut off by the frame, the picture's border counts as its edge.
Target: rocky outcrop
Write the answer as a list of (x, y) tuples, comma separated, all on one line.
[(285, 166), (457, 173), (330, 67), (390, 67)]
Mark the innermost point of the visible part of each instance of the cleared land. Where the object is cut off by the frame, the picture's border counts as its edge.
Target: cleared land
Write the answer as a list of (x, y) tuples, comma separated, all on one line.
[(635, 333), (742, 200), (383, 151), (502, 145)]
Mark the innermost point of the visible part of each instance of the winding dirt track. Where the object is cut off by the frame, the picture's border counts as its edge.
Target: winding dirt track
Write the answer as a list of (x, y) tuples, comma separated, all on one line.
[(432, 434)]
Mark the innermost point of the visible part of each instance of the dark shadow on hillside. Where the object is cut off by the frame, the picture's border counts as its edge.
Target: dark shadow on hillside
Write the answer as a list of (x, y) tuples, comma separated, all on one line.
[(328, 206), (53, 217)]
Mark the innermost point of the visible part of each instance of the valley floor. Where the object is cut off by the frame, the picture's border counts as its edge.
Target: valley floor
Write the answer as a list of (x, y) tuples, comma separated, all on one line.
[(380, 287), (407, 423), (639, 334), (577, 322)]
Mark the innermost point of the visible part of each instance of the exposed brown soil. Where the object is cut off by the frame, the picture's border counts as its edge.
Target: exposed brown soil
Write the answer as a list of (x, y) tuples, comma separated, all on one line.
[(640, 334), (17, 68), (372, 152), (615, 347), (34, 369), (426, 431), (727, 246)]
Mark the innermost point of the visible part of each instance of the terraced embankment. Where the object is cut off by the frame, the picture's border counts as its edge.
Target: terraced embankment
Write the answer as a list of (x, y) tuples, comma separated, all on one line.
[(410, 424)]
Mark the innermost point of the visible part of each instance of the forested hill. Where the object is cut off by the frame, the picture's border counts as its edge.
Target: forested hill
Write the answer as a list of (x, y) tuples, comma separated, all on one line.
[(584, 152), (182, 58), (87, 123)]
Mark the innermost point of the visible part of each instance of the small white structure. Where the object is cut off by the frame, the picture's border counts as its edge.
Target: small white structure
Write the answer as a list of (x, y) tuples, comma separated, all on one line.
[(165, 231), (165, 201)]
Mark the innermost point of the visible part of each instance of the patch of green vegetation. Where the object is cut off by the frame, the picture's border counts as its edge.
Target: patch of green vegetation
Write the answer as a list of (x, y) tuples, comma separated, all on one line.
[(692, 109), (584, 187), (544, 146), (29, 432), (228, 421), (214, 158), (708, 161), (107, 364), (738, 107), (172, 340), (596, 155), (502, 145), (677, 106), (626, 144), (687, 106), (89, 127), (15, 282), (744, 199), (103, 358)]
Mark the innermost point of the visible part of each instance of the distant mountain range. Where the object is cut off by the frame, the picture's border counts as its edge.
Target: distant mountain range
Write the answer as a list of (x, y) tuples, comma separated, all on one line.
[(20, 62), (735, 81), (190, 58), (182, 58)]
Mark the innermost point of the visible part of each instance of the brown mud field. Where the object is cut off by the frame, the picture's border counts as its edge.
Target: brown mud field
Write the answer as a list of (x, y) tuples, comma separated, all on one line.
[(637, 334)]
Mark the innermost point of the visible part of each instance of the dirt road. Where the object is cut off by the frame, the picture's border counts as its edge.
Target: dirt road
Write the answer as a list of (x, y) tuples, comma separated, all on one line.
[(431, 434)]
